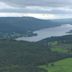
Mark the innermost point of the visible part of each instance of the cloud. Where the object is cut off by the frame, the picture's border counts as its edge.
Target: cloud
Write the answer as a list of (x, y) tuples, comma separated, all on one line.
[(15, 7), (39, 16), (46, 8), (42, 9), (4, 5), (35, 15), (40, 2)]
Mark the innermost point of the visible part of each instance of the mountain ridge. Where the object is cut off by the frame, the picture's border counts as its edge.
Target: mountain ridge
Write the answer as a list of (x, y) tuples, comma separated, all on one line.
[(25, 24)]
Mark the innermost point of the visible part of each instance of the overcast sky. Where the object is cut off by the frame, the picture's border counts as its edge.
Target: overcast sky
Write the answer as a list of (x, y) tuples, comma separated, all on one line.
[(39, 2), (54, 7)]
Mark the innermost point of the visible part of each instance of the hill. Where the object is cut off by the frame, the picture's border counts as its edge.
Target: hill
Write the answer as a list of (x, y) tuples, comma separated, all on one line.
[(25, 24), (59, 66)]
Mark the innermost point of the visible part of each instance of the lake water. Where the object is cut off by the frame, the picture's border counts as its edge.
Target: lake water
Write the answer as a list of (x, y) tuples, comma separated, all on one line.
[(48, 32)]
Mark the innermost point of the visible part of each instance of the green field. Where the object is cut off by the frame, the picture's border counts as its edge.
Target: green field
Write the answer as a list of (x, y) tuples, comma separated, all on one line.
[(60, 47), (64, 65)]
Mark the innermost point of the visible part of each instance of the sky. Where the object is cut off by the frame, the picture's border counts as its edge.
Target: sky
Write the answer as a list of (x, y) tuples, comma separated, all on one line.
[(43, 9)]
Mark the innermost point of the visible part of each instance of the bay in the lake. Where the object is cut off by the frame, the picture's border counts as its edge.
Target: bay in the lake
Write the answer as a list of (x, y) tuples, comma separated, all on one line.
[(48, 32)]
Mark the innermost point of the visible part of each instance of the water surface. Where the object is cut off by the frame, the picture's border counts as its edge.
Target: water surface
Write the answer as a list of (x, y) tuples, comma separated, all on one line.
[(48, 32)]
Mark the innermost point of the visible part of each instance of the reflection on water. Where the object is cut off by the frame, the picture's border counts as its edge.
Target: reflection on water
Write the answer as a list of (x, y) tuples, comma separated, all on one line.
[(48, 32)]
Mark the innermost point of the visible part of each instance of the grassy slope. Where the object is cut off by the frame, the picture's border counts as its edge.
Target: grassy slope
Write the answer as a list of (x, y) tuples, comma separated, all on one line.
[(64, 48), (64, 65), (61, 47)]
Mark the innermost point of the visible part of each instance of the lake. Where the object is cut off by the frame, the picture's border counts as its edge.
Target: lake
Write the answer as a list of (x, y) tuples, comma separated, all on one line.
[(48, 32)]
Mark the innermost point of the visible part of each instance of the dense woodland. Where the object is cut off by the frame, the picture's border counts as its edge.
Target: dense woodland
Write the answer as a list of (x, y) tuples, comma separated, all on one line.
[(27, 56)]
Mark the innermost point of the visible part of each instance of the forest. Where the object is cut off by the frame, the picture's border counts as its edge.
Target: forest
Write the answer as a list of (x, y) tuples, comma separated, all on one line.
[(22, 56)]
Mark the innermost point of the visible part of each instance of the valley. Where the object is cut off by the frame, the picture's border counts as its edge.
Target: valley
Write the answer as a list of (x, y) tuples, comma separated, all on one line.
[(42, 45), (35, 35)]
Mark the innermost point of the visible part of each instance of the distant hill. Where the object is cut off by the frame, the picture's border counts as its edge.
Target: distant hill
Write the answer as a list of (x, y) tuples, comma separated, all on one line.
[(63, 21), (24, 24)]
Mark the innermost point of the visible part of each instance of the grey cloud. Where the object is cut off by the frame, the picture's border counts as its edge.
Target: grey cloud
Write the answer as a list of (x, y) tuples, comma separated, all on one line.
[(21, 4), (50, 10), (39, 2)]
